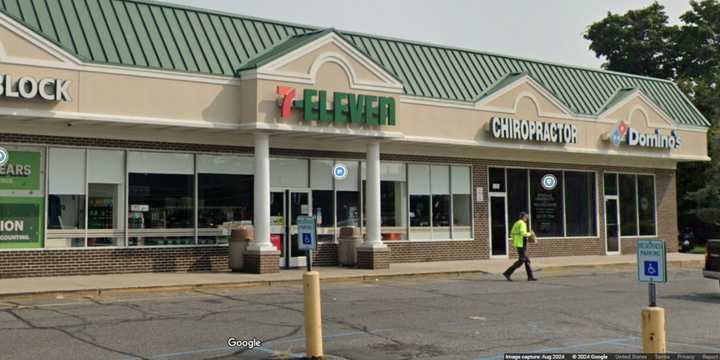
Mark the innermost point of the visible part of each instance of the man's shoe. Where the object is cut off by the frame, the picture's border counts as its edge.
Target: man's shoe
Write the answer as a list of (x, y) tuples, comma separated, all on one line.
[(507, 276), (532, 279)]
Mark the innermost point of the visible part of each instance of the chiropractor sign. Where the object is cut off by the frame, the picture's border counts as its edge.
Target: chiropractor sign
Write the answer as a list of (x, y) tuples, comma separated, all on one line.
[(345, 107), (527, 130)]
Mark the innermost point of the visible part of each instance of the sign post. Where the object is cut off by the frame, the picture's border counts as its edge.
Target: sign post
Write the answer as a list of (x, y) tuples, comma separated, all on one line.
[(307, 236), (307, 240), (651, 262), (652, 269)]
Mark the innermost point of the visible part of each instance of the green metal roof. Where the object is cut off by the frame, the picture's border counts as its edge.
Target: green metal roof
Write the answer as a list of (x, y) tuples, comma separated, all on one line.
[(178, 38)]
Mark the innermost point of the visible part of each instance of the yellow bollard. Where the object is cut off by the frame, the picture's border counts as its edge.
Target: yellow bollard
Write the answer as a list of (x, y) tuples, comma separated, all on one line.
[(313, 315), (653, 330)]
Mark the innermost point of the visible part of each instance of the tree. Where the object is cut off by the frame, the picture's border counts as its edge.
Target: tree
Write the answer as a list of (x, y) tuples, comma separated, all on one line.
[(636, 42), (642, 42)]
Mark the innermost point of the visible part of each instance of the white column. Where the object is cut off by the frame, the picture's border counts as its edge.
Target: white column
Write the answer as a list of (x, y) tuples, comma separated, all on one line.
[(261, 186), (372, 206)]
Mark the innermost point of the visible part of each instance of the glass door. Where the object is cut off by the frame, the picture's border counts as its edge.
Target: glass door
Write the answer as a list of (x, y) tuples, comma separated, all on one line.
[(298, 204), (498, 227), (612, 225)]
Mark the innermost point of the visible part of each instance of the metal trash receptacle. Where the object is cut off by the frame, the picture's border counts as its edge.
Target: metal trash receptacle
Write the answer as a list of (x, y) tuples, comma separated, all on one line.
[(240, 237), (349, 240)]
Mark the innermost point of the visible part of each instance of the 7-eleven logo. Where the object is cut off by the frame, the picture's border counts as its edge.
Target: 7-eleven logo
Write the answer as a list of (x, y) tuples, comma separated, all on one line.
[(288, 95)]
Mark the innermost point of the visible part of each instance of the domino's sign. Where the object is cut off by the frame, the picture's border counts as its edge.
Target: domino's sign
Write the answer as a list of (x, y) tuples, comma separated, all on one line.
[(652, 261)]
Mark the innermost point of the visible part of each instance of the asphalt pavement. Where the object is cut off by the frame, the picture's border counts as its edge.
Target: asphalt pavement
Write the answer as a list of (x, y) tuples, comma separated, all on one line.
[(470, 316)]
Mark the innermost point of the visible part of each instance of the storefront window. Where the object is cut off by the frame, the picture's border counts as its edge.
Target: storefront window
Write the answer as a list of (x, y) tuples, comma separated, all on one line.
[(66, 198), (106, 197), (224, 200), (628, 205), (580, 216), (420, 205), (348, 208), (166, 200), (160, 197), (497, 179), (517, 194), (610, 184), (462, 202), (440, 186), (646, 204), (560, 203), (348, 196), (637, 203), (546, 204)]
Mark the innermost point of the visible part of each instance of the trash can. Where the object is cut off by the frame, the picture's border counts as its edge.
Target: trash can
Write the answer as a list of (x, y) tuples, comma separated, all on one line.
[(239, 239), (349, 240)]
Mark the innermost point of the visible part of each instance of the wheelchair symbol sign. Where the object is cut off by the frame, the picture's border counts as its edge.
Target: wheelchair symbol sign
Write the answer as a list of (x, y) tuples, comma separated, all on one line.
[(307, 238), (651, 261), (651, 268)]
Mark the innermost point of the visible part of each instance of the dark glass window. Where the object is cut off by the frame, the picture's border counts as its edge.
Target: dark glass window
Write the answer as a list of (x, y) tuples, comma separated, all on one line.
[(628, 205), (322, 201), (441, 210), (517, 194), (420, 210), (223, 198), (161, 201), (497, 180), (66, 212), (546, 210), (646, 204), (610, 184), (348, 208), (580, 215), (392, 203)]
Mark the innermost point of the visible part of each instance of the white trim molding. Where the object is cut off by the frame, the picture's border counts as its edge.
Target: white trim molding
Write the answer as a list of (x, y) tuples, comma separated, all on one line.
[(273, 69)]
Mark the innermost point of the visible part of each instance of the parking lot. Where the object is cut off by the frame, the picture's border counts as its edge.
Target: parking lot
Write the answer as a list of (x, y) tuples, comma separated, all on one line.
[(444, 317)]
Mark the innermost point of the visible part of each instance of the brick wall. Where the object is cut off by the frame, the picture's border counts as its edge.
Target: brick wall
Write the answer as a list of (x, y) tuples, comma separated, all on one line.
[(64, 262), (23, 263)]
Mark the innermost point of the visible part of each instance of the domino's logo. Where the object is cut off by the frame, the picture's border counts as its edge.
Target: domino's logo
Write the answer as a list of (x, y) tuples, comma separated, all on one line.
[(619, 133), (4, 156)]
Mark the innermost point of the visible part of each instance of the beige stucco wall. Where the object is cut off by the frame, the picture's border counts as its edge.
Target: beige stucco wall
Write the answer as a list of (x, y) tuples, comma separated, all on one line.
[(182, 101)]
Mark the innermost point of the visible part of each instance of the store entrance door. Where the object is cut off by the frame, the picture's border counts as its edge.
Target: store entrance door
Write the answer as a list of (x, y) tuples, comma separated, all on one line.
[(498, 226), (285, 206)]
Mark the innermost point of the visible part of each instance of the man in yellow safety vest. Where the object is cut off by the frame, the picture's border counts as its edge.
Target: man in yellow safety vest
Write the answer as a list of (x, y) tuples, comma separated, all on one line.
[(519, 234)]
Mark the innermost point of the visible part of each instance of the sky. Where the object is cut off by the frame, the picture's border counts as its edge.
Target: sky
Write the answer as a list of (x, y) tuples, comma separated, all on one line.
[(549, 30)]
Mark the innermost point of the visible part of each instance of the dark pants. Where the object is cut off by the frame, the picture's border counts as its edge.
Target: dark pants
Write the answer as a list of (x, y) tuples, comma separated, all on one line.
[(522, 259)]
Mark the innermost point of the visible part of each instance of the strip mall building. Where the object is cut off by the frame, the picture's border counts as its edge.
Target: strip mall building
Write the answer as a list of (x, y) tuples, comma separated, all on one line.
[(137, 134)]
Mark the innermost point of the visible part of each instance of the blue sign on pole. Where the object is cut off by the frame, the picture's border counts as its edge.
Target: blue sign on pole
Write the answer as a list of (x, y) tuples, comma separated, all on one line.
[(652, 261), (307, 237)]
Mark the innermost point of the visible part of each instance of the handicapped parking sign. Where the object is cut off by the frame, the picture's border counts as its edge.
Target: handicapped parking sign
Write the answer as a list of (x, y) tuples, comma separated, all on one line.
[(651, 268), (652, 261), (307, 236)]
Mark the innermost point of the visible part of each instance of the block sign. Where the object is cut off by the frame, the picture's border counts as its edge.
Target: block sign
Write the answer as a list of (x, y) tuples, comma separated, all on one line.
[(652, 261), (307, 237)]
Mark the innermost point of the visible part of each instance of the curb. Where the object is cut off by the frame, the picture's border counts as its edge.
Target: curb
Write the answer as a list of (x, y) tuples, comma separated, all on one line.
[(698, 264)]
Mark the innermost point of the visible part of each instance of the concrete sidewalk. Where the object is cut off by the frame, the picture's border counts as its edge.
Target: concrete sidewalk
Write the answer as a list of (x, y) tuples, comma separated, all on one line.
[(96, 284)]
